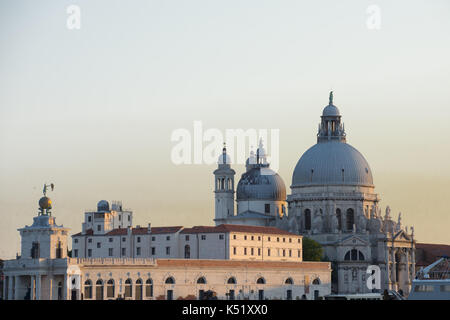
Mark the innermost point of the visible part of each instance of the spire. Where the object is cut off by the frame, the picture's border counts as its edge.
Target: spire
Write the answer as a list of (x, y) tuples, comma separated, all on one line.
[(331, 98)]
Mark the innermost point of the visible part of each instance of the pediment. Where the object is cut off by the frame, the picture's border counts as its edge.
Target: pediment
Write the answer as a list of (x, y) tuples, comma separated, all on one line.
[(353, 240)]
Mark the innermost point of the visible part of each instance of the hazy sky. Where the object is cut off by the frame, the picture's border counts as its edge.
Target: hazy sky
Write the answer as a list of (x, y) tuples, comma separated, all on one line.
[(92, 110)]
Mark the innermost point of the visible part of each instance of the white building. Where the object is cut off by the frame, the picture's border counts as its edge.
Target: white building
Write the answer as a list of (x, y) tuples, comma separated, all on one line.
[(115, 260), (332, 201)]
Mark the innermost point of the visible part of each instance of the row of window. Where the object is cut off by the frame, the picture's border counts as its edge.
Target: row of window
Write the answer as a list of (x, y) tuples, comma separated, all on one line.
[(110, 286), (349, 219), (252, 238), (252, 252), (123, 252)]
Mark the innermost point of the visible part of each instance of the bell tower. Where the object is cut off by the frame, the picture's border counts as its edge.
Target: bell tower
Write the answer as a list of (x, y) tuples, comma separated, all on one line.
[(224, 188)]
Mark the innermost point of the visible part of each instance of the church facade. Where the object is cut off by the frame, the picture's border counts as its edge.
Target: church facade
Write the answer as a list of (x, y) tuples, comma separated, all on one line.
[(332, 201)]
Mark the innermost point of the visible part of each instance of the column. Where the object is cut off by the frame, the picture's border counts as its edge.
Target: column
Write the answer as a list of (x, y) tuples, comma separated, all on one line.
[(5, 297), (16, 287), (50, 285), (65, 287), (38, 287), (32, 296), (10, 287)]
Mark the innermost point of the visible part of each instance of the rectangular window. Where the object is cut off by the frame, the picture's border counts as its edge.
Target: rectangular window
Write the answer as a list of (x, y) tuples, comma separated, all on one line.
[(89, 219), (110, 239), (290, 240), (138, 251), (251, 251), (153, 238), (75, 253), (99, 244), (278, 239), (129, 218), (167, 250), (423, 288), (268, 239), (221, 237), (89, 240), (187, 238), (234, 236), (124, 251), (120, 217), (245, 251), (259, 251), (153, 251), (110, 252), (234, 250), (245, 237), (268, 252), (99, 228), (267, 208), (259, 238), (203, 237), (290, 253), (76, 240), (284, 239), (89, 252), (298, 253), (284, 253), (253, 238), (124, 239), (168, 238)]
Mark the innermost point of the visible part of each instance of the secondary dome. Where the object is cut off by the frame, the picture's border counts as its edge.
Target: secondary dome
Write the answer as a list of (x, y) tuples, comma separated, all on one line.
[(257, 185), (103, 205), (332, 163), (331, 111)]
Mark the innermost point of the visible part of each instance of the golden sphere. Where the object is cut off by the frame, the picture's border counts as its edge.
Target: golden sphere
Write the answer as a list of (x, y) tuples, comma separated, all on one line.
[(45, 203)]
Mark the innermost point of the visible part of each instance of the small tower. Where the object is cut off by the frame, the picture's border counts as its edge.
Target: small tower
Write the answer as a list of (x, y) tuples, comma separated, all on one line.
[(331, 128), (224, 188), (44, 238)]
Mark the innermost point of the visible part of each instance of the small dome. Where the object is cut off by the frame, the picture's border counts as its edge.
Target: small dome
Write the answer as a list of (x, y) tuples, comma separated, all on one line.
[(331, 111), (332, 163), (103, 205), (254, 185), (224, 159), (45, 203)]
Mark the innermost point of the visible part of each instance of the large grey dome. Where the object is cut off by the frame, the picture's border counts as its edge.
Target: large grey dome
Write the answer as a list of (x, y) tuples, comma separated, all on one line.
[(332, 163), (256, 186)]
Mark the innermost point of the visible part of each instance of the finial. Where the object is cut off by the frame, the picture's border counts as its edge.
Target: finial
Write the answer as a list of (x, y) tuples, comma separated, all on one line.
[(224, 147), (331, 98)]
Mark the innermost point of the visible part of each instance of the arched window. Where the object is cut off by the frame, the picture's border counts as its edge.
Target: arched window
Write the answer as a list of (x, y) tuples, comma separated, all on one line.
[(99, 289), (88, 289), (231, 280), (339, 218), (187, 252), (110, 288), (354, 255), (170, 280), (307, 219), (201, 280), (350, 219), (289, 281), (128, 288), (138, 290), (261, 281), (149, 288), (316, 281)]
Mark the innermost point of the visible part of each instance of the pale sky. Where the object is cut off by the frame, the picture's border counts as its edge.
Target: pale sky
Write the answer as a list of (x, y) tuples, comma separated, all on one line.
[(92, 110)]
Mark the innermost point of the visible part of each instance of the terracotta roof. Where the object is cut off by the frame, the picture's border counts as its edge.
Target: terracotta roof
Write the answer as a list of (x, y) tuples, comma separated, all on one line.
[(427, 253), (89, 232), (225, 228), (241, 263), (144, 230)]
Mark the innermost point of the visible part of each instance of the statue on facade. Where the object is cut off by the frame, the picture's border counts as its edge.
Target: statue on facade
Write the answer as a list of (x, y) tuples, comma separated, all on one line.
[(387, 216), (317, 222)]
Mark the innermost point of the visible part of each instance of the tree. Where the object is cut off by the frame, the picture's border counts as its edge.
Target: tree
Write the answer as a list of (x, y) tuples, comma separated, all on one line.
[(312, 250)]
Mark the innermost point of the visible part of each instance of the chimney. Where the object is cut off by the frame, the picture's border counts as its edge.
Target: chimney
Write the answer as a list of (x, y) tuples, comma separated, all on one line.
[(149, 228)]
